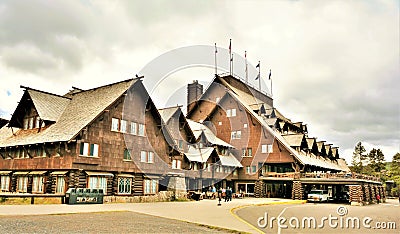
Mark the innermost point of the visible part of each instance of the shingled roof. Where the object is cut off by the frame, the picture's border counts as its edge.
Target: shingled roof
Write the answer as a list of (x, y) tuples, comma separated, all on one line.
[(81, 110), (300, 156), (294, 139)]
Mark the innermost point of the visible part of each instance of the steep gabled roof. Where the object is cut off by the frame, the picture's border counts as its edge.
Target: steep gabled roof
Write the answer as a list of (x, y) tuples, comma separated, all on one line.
[(310, 142), (199, 129), (167, 113), (3, 122), (229, 160), (300, 156), (199, 154), (82, 109), (294, 139), (49, 107)]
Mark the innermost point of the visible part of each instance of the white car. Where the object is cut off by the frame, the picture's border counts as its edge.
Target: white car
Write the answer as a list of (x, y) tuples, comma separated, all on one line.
[(317, 195)]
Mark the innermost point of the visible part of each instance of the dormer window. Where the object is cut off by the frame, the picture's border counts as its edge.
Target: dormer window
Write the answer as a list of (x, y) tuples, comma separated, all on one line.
[(31, 122)]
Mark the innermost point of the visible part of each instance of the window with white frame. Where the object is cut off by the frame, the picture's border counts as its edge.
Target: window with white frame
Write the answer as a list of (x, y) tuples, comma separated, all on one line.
[(88, 149), (60, 184), (228, 113), (266, 148), (248, 169), (219, 123), (263, 149), (115, 124), (150, 157), (269, 149), (22, 184), (247, 152), (235, 172), (143, 156), (236, 134), (124, 185), (195, 167), (233, 112), (98, 182), (124, 124), (244, 125), (5, 183), (141, 130), (150, 186), (37, 184), (133, 128)]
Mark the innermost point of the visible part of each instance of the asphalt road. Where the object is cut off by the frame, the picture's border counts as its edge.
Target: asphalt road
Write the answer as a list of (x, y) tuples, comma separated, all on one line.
[(102, 222), (327, 218)]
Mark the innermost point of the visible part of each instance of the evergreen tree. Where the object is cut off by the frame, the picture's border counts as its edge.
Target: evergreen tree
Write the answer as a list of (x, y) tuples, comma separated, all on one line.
[(395, 166), (358, 158), (376, 159)]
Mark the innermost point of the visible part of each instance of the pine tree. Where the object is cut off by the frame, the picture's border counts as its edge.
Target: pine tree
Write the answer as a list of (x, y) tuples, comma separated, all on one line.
[(358, 158), (376, 159), (395, 166)]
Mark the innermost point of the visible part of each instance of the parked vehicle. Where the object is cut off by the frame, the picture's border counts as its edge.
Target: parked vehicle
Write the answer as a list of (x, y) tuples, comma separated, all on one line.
[(318, 195)]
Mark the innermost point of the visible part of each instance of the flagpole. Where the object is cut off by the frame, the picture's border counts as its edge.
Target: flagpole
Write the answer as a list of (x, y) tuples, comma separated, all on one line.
[(215, 59), (270, 80), (230, 56), (247, 71), (232, 64), (259, 76)]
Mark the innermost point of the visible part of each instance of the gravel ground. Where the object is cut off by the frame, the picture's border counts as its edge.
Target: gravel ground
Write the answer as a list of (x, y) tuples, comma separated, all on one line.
[(105, 222)]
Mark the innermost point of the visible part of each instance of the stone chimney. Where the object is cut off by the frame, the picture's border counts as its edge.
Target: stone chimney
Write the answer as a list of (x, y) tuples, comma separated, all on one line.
[(194, 92)]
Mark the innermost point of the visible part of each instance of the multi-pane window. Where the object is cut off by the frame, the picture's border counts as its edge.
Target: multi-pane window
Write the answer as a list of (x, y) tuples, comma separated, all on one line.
[(150, 186), (133, 128), (141, 130), (231, 113), (98, 182), (37, 184), (236, 134), (60, 184), (124, 124), (147, 157), (266, 148), (124, 185), (22, 184), (88, 149), (247, 152), (127, 154), (5, 183), (115, 124)]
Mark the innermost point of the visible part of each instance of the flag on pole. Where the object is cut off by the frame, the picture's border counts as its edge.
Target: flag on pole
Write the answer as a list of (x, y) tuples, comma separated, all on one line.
[(258, 76), (216, 51), (230, 46), (258, 65), (269, 76)]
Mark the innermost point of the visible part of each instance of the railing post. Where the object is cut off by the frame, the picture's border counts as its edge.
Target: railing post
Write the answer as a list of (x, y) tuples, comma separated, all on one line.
[(32, 200)]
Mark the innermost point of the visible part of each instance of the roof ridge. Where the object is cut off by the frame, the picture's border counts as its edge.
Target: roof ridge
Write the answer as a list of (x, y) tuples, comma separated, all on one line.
[(108, 85), (45, 92)]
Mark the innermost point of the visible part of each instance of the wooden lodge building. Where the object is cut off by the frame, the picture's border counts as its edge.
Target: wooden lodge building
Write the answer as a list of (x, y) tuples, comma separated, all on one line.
[(113, 137)]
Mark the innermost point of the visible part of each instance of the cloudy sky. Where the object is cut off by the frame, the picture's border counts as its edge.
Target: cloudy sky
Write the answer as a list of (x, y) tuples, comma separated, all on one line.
[(335, 64)]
